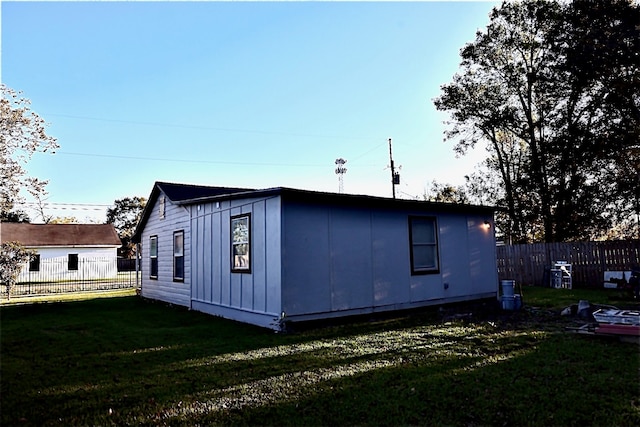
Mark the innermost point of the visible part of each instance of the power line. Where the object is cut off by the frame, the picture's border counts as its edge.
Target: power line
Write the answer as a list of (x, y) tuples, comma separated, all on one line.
[(65, 206), (222, 129), (173, 125), (218, 162), (369, 151), (159, 159)]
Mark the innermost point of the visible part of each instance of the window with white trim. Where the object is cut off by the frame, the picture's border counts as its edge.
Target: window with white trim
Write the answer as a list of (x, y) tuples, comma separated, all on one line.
[(178, 256), (423, 238), (153, 257), (241, 243)]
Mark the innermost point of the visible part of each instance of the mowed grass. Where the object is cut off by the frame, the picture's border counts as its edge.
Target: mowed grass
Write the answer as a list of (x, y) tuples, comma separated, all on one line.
[(130, 361)]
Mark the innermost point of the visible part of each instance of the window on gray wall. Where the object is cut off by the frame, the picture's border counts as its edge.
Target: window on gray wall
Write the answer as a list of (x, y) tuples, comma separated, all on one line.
[(241, 243), (178, 256), (153, 257), (423, 237)]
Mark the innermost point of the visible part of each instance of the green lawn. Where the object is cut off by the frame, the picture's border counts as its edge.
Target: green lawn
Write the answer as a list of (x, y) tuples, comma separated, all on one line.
[(128, 361)]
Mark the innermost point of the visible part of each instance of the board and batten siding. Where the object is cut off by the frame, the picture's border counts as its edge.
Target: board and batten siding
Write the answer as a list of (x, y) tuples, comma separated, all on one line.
[(164, 288), (250, 297), (339, 260)]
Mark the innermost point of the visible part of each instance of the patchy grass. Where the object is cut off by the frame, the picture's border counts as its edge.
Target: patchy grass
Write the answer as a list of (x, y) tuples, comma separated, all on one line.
[(558, 299), (123, 361)]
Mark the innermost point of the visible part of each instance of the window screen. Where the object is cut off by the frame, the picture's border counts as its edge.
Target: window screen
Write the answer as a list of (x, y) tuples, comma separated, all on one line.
[(424, 245)]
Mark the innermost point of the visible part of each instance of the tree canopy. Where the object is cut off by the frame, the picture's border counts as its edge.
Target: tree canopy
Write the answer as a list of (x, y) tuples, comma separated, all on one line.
[(22, 133), (125, 215), (551, 88)]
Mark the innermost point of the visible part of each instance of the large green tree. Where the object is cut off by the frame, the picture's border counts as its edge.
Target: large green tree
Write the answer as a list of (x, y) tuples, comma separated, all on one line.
[(552, 88), (22, 133), (125, 215)]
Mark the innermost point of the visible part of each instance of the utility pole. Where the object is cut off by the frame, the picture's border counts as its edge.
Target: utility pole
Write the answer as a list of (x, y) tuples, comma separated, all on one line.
[(395, 177)]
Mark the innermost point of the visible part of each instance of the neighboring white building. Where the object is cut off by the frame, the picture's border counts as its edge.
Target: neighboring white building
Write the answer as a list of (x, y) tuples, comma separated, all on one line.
[(270, 256), (65, 251)]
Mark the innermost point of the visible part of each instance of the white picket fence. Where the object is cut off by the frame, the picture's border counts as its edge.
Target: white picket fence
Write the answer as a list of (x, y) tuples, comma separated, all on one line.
[(61, 274)]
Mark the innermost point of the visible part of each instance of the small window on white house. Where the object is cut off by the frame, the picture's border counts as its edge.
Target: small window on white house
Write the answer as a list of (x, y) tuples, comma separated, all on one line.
[(178, 256), (423, 238), (241, 243), (34, 264), (72, 262), (153, 257), (161, 203)]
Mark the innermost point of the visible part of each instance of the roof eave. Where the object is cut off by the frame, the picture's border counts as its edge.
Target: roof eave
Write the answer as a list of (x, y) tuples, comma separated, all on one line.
[(231, 196)]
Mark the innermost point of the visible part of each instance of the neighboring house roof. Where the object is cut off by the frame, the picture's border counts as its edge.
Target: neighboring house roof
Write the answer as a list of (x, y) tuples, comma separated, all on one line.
[(178, 193), (39, 235)]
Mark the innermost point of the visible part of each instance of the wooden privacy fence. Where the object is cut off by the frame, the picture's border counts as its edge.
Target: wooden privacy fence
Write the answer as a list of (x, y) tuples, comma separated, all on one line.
[(530, 264)]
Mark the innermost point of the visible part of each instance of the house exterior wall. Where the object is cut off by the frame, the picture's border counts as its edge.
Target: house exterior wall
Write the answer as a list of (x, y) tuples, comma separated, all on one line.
[(254, 296), (93, 263), (350, 260), (164, 288), (315, 258)]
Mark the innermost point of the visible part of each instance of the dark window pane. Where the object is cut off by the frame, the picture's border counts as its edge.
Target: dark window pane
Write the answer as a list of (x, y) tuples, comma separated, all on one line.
[(178, 267), (34, 264), (154, 267), (73, 262)]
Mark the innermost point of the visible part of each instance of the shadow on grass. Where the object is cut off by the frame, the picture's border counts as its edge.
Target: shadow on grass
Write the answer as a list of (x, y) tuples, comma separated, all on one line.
[(131, 361), (557, 382)]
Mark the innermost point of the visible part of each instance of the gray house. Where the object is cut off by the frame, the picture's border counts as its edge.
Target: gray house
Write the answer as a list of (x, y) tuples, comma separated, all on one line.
[(275, 255)]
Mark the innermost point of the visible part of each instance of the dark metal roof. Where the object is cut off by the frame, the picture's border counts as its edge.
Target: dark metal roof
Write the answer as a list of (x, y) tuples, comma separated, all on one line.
[(178, 193), (360, 200), (35, 235), (182, 194)]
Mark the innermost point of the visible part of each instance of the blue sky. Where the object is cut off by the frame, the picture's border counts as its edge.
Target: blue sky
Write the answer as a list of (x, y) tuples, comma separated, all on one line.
[(258, 95)]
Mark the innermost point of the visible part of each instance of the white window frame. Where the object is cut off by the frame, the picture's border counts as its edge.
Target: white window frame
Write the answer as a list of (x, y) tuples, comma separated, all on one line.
[(419, 242), (178, 255), (153, 257)]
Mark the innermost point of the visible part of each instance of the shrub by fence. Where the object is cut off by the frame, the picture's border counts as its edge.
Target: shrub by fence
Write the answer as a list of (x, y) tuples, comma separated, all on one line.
[(530, 264), (59, 275)]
